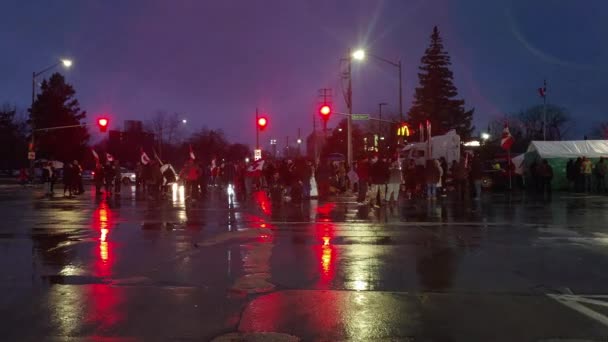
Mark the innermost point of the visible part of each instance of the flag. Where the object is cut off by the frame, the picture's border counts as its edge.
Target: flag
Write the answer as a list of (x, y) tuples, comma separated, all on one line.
[(255, 168), (144, 157), (95, 155), (109, 157), (507, 139), (543, 90), (192, 153)]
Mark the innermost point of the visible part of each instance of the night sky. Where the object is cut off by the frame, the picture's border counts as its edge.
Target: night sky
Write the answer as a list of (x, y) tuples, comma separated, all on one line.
[(216, 61)]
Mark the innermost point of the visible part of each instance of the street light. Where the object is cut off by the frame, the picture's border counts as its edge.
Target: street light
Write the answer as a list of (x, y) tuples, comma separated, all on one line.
[(184, 121), (359, 54), (67, 63), (485, 136)]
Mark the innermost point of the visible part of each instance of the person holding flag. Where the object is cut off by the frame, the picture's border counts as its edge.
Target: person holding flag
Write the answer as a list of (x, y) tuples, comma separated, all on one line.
[(505, 143)]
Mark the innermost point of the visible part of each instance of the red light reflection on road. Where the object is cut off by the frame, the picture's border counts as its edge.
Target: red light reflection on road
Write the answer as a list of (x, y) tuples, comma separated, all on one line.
[(326, 208), (103, 221), (263, 201), (326, 253)]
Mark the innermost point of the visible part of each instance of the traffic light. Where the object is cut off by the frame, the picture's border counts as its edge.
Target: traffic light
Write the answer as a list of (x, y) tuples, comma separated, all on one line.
[(325, 112), (103, 124), (262, 123)]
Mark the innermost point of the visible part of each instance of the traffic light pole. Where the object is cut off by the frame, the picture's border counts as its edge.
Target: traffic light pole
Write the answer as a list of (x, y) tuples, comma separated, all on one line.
[(257, 130), (349, 121)]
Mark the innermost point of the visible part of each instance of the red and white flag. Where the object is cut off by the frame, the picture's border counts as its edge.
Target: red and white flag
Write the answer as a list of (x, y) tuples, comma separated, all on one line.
[(543, 90), (109, 157), (507, 139), (192, 156), (255, 168), (95, 155), (144, 157)]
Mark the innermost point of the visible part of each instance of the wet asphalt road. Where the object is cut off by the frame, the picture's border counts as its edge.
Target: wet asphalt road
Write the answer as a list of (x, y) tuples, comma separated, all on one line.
[(507, 268)]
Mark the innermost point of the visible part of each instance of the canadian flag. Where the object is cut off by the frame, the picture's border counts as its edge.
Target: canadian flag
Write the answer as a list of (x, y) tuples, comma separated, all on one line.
[(95, 155), (507, 139), (144, 157), (255, 169), (543, 90), (192, 156)]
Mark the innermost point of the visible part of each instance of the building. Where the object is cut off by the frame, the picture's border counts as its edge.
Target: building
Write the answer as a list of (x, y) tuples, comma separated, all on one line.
[(125, 145)]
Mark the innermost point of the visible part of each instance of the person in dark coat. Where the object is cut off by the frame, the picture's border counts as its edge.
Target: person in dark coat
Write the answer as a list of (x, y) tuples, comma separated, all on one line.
[(570, 175), (378, 174), (545, 174), (363, 174), (68, 179), (109, 175), (476, 174), (98, 178)]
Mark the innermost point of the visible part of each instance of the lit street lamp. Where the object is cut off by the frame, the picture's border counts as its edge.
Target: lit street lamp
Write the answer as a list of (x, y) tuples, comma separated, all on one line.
[(184, 121), (67, 63), (360, 55), (485, 136)]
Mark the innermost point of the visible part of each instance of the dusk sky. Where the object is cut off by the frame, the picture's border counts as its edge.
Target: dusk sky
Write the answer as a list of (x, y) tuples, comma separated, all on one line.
[(216, 61)]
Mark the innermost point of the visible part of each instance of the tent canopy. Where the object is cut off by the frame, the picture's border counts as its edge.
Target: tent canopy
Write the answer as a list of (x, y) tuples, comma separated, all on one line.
[(570, 149)]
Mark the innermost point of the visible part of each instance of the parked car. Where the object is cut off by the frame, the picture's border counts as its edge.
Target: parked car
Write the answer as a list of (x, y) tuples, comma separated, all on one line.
[(127, 177), (88, 175)]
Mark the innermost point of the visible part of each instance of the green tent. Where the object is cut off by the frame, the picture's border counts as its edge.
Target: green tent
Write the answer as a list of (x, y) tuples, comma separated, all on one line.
[(557, 153)]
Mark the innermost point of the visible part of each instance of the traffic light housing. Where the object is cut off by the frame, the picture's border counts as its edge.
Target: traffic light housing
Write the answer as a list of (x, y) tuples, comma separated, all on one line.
[(262, 123), (103, 124), (325, 111)]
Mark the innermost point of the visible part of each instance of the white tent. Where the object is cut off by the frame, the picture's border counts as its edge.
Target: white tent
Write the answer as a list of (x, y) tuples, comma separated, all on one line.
[(570, 149)]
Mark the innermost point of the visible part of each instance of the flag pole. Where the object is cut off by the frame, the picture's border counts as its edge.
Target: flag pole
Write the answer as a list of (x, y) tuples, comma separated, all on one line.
[(509, 168), (545, 110)]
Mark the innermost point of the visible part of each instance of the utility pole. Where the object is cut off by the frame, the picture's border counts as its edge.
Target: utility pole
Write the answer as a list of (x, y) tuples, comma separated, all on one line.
[(299, 141), (314, 137), (349, 119), (400, 92), (325, 98), (544, 93), (380, 122), (257, 130)]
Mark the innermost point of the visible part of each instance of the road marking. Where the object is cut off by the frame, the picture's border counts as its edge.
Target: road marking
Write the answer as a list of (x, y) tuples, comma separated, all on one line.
[(573, 302)]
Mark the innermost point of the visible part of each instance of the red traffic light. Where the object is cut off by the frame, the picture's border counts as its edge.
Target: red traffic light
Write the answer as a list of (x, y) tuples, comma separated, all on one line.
[(262, 123), (103, 124), (325, 110)]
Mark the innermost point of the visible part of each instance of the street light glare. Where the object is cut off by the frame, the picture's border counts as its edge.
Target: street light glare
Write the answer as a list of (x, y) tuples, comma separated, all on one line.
[(485, 136), (359, 54), (184, 121), (66, 62)]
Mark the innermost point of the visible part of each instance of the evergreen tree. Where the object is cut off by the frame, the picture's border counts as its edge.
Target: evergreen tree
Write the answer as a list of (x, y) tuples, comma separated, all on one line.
[(436, 97), (13, 146), (56, 106)]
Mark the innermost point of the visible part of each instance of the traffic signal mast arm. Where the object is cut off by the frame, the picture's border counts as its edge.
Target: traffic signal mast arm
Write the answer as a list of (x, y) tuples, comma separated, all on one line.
[(59, 127)]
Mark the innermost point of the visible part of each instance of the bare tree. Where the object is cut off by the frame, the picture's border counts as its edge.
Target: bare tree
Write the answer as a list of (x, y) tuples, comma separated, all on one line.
[(166, 128)]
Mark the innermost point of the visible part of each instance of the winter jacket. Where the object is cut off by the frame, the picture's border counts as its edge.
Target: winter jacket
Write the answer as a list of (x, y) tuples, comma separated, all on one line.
[(378, 172)]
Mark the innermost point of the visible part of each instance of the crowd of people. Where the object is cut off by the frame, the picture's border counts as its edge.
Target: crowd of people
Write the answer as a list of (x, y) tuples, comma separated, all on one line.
[(584, 176), (375, 181)]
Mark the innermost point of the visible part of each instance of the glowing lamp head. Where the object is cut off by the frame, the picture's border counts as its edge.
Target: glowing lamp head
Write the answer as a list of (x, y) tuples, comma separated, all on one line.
[(359, 54), (66, 63)]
